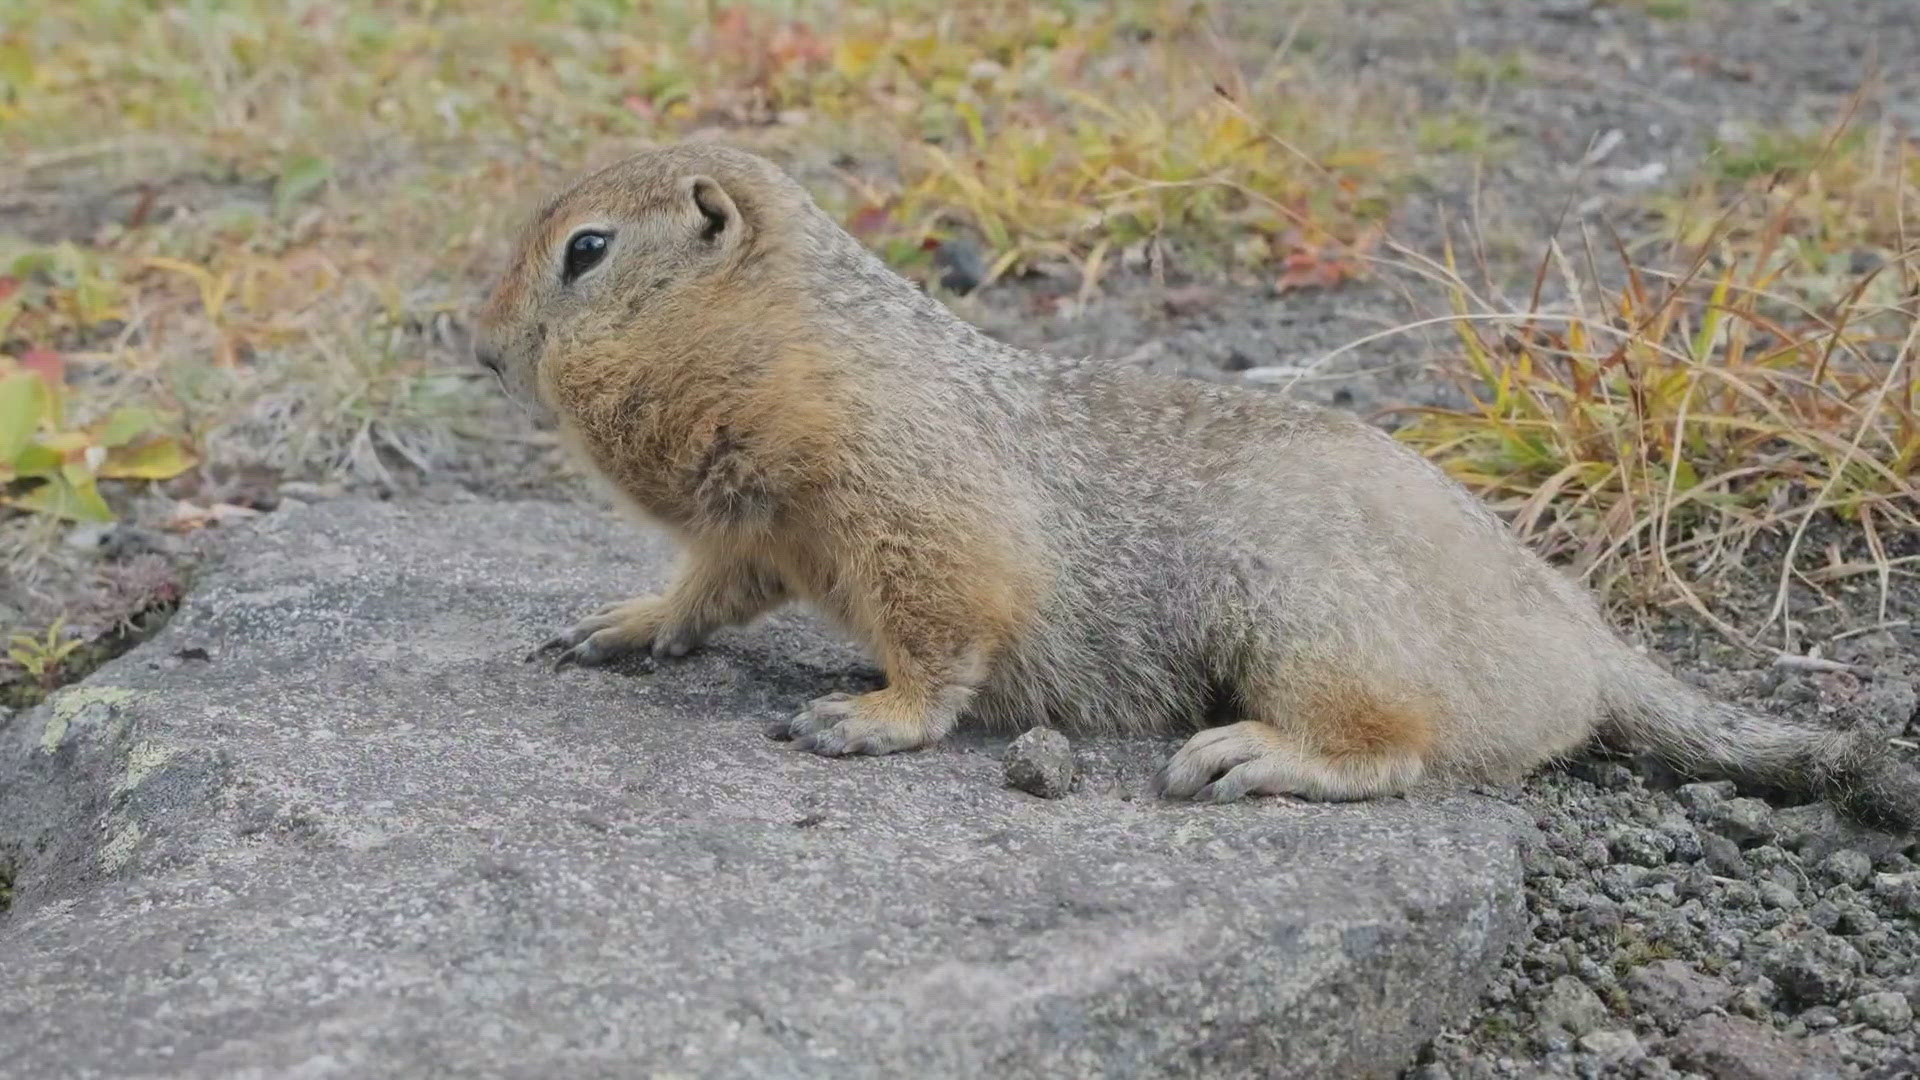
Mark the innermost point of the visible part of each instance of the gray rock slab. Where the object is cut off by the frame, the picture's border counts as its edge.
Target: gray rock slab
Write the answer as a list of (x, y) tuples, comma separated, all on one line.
[(328, 823)]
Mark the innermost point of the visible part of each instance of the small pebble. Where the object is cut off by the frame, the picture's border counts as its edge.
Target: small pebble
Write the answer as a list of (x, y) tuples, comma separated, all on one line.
[(1743, 821), (960, 265), (1702, 795), (1754, 1002), (1673, 990), (1857, 919), (1778, 896), (1901, 892), (1723, 857), (1885, 1010), (1820, 1018), (1040, 762), (1824, 914), (1612, 776), (1643, 848), (1570, 1007), (1815, 969), (1611, 1045), (1684, 840)]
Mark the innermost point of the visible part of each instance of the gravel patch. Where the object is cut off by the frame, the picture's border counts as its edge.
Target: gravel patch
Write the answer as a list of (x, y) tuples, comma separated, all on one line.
[(1720, 934)]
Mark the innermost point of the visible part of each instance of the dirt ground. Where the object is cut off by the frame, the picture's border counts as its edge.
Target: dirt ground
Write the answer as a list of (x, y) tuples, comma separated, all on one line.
[(1594, 108)]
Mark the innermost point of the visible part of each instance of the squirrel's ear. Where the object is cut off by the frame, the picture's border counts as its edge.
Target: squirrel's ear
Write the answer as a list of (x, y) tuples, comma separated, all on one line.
[(717, 212)]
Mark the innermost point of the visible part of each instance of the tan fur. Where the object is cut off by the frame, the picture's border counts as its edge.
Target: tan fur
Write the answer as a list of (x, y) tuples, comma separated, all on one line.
[(1359, 727), (1023, 538)]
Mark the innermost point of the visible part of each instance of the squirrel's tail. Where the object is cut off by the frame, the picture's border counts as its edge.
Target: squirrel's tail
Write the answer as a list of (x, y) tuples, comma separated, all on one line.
[(1652, 711)]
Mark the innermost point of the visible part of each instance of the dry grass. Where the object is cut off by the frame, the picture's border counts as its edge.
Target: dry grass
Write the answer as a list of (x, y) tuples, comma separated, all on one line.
[(264, 222), (272, 215), (1649, 430)]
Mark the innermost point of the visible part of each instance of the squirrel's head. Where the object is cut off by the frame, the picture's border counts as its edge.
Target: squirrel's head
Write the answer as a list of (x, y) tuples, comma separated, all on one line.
[(622, 266)]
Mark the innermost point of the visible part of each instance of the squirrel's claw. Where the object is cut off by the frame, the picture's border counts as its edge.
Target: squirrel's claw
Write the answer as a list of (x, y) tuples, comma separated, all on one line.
[(1157, 786), (833, 726), (623, 629), (557, 641), (586, 653)]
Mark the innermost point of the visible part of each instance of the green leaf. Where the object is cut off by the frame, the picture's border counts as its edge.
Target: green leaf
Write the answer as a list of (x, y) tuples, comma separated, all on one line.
[(64, 496), (31, 263), (126, 425), (16, 67), (976, 130), (1685, 477), (86, 501), (23, 401), (301, 176), (37, 460)]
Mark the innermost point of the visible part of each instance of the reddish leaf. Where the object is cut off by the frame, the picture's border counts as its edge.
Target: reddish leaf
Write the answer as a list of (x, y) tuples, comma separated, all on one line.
[(870, 219), (47, 364), (8, 286), (1310, 269), (796, 42)]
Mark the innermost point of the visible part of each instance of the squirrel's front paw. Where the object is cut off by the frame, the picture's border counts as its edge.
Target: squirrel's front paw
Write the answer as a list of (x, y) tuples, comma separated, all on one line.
[(841, 724), (618, 630)]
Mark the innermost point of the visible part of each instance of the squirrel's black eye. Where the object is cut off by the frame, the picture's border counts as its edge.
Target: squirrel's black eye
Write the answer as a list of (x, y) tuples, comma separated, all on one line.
[(584, 252)]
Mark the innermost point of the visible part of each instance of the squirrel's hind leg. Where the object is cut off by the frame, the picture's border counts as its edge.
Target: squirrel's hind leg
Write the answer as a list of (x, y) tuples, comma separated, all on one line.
[(1314, 736)]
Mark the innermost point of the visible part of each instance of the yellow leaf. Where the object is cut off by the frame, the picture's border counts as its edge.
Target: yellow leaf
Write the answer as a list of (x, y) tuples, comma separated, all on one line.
[(213, 288), (1353, 159), (919, 50), (856, 57), (202, 277), (67, 443), (159, 459), (976, 130), (1093, 104)]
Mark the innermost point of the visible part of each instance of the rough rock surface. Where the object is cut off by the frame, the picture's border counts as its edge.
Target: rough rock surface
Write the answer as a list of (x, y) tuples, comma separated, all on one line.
[(327, 823), (1727, 1048)]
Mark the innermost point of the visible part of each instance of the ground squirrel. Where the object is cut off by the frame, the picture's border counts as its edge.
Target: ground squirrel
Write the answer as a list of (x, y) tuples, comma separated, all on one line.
[(1027, 539)]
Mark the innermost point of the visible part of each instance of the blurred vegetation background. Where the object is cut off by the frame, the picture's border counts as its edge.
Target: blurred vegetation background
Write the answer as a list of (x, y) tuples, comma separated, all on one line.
[(238, 241)]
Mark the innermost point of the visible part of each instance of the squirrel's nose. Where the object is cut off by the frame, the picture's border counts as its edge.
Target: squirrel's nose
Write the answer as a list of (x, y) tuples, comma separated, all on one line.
[(488, 356)]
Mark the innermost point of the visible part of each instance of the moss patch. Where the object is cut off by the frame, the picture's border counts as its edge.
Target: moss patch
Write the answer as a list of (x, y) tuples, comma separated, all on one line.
[(68, 704)]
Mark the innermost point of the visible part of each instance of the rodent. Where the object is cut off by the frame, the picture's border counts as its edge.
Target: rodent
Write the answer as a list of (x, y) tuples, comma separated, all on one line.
[(1026, 539)]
